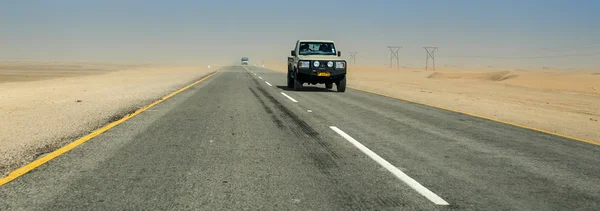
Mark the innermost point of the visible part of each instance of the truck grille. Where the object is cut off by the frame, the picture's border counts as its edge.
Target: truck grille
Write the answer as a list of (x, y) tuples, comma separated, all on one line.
[(323, 65)]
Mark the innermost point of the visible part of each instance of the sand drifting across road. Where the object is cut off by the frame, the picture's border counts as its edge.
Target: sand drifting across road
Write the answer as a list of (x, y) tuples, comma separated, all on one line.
[(562, 101), (46, 106)]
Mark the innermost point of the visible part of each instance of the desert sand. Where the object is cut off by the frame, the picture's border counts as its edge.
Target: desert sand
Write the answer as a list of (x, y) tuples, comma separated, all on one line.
[(46, 105), (20, 71), (561, 101)]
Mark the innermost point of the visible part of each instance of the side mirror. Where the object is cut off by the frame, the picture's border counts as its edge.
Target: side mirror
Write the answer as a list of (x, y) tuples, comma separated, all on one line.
[(293, 53), (339, 53)]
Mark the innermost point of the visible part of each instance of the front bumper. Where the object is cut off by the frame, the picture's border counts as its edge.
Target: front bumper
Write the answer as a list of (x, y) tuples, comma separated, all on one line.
[(310, 75)]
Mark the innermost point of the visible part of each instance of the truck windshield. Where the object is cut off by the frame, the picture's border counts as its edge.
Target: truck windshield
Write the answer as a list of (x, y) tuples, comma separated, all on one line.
[(316, 48), (244, 59)]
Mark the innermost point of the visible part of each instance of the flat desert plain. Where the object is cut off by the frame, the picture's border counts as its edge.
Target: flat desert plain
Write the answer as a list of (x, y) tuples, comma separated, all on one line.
[(564, 101), (45, 105)]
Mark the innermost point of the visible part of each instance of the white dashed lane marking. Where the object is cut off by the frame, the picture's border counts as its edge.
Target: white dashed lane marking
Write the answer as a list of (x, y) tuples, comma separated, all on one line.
[(292, 99), (387, 165)]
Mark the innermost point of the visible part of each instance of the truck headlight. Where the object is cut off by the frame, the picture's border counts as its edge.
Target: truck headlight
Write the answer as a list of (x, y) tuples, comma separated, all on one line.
[(330, 64), (316, 63), (304, 64), (340, 65)]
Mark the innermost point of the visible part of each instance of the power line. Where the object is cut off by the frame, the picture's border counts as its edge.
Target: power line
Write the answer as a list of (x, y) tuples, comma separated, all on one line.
[(529, 57), (583, 50), (586, 45)]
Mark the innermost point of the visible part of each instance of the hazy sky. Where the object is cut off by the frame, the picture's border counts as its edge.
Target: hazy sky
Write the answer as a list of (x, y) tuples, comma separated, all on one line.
[(480, 32)]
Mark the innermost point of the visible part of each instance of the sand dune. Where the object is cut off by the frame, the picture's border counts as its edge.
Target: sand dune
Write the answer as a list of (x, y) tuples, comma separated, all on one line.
[(570, 82), (573, 82), (566, 102), (492, 76)]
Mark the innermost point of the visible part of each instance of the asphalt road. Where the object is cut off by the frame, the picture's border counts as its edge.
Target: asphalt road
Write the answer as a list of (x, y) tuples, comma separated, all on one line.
[(235, 142)]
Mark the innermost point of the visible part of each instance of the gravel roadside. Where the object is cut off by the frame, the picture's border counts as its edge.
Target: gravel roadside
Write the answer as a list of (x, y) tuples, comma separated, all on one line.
[(38, 117)]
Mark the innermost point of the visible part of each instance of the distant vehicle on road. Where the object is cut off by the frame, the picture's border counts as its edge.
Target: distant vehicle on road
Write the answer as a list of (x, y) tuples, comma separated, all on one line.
[(316, 62), (244, 60)]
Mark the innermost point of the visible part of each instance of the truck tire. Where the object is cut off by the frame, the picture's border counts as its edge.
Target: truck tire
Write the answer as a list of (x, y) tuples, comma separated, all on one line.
[(290, 81), (297, 84), (329, 85), (341, 85)]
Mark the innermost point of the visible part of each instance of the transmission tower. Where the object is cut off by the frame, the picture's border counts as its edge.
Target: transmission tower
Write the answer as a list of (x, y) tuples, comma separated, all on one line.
[(394, 54), (430, 54), (353, 57)]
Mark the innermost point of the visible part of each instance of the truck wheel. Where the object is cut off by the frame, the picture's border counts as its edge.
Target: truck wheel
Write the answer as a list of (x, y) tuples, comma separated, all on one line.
[(297, 84), (290, 81), (329, 85), (341, 85)]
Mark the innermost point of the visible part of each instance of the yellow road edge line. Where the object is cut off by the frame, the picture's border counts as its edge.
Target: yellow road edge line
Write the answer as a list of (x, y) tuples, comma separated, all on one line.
[(483, 117), (40, 161)]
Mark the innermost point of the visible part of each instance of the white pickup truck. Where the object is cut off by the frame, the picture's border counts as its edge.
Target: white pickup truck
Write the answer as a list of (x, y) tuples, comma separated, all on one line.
[(316, 62)]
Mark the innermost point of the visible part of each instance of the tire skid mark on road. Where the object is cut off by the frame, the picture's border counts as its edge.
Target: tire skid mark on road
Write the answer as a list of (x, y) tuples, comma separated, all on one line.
[(268, 110), (324, 156), (304, 128), (298, 126)]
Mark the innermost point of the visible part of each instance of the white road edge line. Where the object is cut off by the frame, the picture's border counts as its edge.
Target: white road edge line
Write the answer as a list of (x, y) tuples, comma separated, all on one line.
[(246, 68), (387, 165), (292, 99), (268, 83), (260, 77), (254, 73)]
